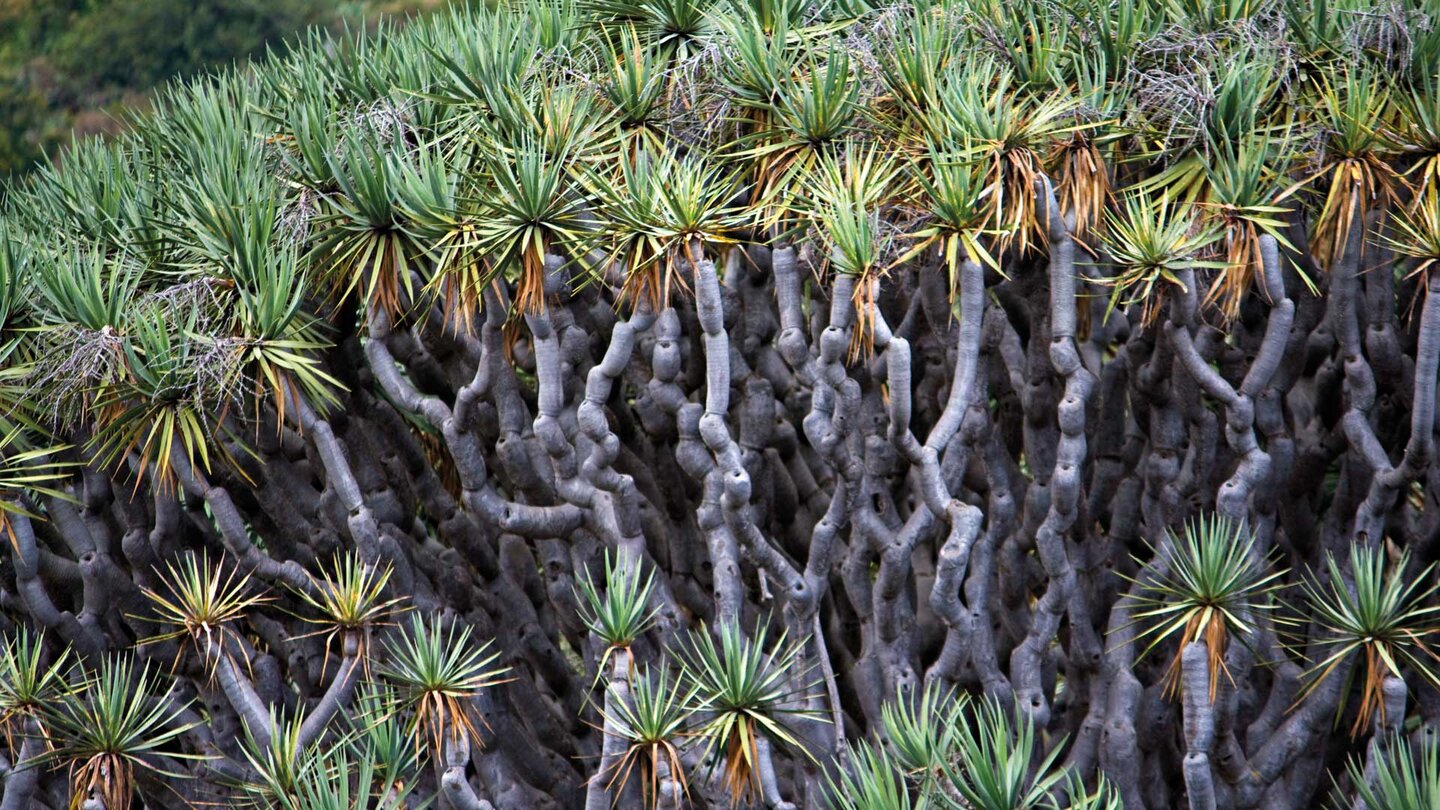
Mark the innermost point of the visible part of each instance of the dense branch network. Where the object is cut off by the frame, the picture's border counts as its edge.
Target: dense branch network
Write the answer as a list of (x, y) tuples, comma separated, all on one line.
[(446, 412)]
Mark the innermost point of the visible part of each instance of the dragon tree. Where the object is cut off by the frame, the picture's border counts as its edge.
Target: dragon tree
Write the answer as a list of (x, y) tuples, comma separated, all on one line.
[(988, 404)]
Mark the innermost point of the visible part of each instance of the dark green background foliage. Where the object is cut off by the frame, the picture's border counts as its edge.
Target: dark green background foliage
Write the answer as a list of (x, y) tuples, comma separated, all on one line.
[(83, 63)]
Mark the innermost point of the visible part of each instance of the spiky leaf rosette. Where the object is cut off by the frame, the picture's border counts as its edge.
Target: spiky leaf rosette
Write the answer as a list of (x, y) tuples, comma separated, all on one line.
[(1150, 242), (31, 679), (529, 209), (347, 778), (171, 403), (1083, 163), (622, 612), (1190, 111), (1405, 776), (276, 339), (995, 768), (118, 724), (805, 119), (82, 302), (280, 762), (744, 688), (676, 26), (1416, 235), (850, 192), (361, 242), (29, 453), (1377, 610), (351, 596), (439, 196), (202, 602), (635, 85), (1213, 589), (382, 738), (660, 213), (435, 671), (1417, 131), (1008, 132), (872, 782), (948, 188), (1240, 202), (1353, 160), (922, 732), (652, 724), (921, 48)]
